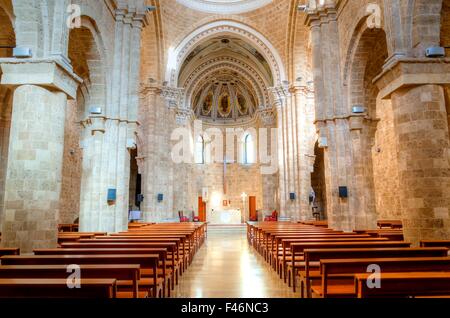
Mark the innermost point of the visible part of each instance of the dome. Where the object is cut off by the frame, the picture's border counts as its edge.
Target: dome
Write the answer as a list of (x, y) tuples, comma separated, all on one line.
[(225, 98), (225, 6)]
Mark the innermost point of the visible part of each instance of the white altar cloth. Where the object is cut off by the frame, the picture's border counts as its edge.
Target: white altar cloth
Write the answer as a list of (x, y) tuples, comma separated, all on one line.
[(224, 217)]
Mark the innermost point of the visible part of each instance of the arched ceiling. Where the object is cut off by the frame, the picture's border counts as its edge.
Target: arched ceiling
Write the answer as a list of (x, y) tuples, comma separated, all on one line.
[(225, 80), (225, 6)]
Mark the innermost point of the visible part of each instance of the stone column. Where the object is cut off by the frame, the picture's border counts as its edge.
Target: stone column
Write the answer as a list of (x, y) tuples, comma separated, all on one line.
[(420, 123), (93, 190), (5, 124), (279, 100), (363, 200), (34, 173), (147, 111), (331, 115), (305, 148)]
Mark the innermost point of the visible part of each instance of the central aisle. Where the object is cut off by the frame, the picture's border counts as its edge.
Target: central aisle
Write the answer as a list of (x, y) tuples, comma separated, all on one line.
[(227, 267)]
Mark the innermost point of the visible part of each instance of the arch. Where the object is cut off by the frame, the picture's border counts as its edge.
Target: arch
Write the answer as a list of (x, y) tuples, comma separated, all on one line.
[(259, 85), (178, 54), (7, 31), (365, 60), (87, 55), (249, 153), (359, 28), (248, 147), (8, 39)]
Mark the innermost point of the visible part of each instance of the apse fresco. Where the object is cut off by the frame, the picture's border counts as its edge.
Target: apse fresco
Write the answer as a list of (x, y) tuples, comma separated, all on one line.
[(224, 105), (242, 104), (224, 98), (207, 104)]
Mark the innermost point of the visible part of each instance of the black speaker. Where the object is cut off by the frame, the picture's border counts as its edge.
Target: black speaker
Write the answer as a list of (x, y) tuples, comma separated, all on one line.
[(140, 198), (292, 196), (343, 192), (160, 197)]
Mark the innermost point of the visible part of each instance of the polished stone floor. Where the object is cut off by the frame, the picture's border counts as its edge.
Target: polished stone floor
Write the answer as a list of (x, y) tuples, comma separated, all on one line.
[(227, 267)]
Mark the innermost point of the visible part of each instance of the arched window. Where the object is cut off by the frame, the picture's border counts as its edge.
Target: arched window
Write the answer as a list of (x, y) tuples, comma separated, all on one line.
[(249, 150), (200, 150)]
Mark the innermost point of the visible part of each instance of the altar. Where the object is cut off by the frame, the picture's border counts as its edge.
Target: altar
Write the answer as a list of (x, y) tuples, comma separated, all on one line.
[(224, 217)]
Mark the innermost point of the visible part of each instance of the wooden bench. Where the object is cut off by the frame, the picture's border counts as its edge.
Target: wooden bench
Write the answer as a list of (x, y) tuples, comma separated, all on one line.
[(57, 288), (146, 261), (9, 251), (286, 244), (338, 274), (298, 248), (120, 272), (312, 257), (163, 272), (174, 260), (404, 285), (435, 243)]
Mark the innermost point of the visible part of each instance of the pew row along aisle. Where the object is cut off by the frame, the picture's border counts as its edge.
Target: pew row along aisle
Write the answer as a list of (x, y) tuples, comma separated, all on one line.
[(319, 262), (144, 262)]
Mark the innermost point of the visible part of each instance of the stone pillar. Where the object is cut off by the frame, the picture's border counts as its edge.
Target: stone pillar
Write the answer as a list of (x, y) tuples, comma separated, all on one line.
[(420, 123), (280, 105), (363, 199), (93, 190), (5, 124), (304, 117), (332, 115), (33, 183), (34, 173)]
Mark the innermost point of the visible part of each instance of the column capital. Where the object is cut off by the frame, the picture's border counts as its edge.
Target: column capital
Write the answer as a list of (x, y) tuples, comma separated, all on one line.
[(131, 13), (316, 13), (302, 89), (183, 116), (280, 94), (40, 72), (172, 96), (267, 116), (403, 71)]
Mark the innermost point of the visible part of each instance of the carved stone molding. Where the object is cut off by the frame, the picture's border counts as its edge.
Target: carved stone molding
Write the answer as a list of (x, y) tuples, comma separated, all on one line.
[(231, 27), (267, 116), (41, 72), (280, 94), (183, 116), (173, 96)]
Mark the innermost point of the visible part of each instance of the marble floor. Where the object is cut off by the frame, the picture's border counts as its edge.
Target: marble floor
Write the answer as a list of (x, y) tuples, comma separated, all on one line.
[(227, 267)]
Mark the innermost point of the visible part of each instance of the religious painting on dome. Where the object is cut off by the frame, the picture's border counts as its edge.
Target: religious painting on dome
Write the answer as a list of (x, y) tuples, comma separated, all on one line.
[(224, 105), (242, 104), (207, 104)]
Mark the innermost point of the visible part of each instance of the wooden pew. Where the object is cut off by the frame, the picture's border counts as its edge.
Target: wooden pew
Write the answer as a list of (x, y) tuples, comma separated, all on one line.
[(119, 272), (173, 262), (178, 263), (298, 248), (435, 243), (286, 249), (164, 272), (312, 257), (338, 274), (57, 288), (405, 285), (9, 251), (146, 261)]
